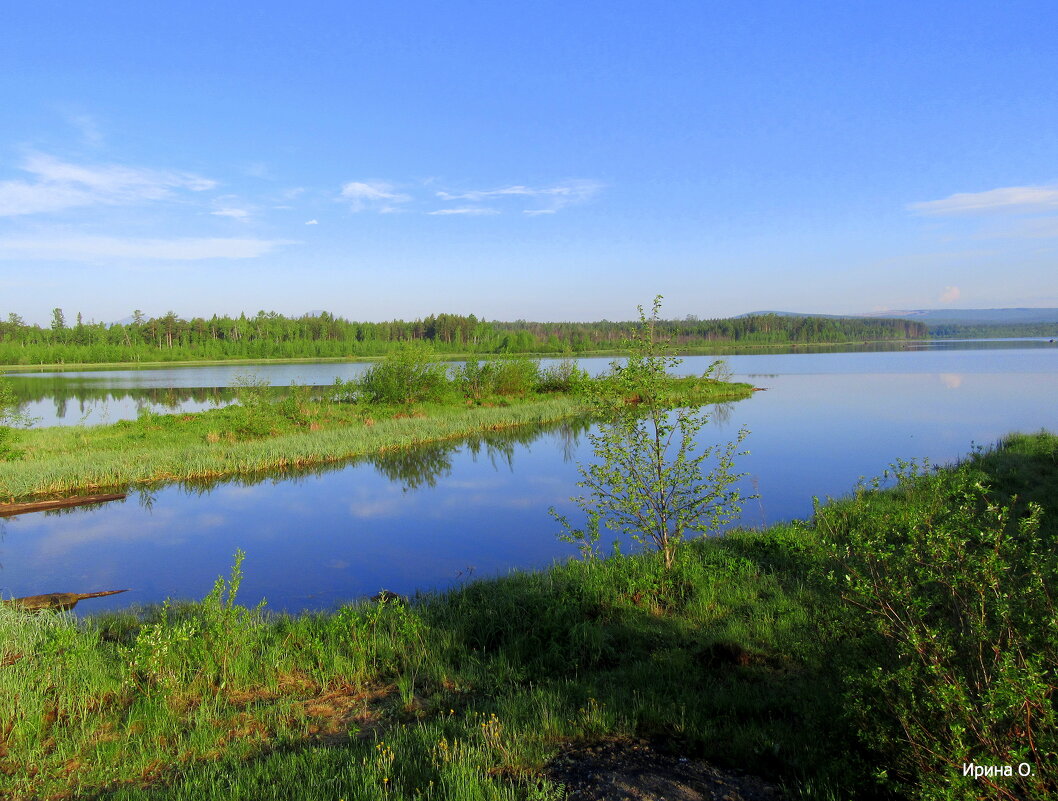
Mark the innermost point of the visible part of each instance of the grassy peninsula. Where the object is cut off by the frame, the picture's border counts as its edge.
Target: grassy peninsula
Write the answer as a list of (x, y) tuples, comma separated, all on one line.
[(406, 399), (870, 652)]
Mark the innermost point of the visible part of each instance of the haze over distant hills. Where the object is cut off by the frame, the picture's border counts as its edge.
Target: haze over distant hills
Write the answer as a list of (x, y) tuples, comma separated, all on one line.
[(945, 316)]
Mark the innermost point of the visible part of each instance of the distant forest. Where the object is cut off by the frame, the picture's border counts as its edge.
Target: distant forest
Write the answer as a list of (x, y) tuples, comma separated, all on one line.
[(985, 330), (269, 335)]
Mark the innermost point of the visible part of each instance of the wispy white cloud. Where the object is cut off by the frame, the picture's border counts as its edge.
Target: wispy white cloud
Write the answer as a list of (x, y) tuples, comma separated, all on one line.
[(312, 222), (234, 213), (384, 197), (93, 248), (86, 125), (553, 198), (474, 211), (1005, 199), (377, 195), (58, 185)]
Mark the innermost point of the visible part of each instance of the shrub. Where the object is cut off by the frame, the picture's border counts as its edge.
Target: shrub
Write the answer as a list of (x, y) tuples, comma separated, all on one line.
[(515, 376), (474, 379), (957, 631), (407, 375), (562, 377), (11, 415)]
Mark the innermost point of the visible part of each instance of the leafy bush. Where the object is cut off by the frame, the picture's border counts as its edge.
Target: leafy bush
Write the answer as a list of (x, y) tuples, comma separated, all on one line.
[(294, 406), (515, 376), (255, 414), (474, 379), (562, 377), (11, 415), (957, 631), (344, 391), (407, 375)]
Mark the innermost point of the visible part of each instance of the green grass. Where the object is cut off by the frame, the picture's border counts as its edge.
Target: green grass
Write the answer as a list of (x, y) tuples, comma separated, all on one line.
[(739, 654), (713, 348), (299, 432), (228, 702)]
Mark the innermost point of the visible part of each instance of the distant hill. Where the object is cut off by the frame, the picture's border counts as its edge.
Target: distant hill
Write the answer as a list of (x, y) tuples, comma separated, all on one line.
[(945, 316), (973, 316), (799, 314)]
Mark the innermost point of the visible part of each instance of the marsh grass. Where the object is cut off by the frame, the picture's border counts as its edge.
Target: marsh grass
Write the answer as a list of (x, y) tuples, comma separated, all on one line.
[(272, 434)]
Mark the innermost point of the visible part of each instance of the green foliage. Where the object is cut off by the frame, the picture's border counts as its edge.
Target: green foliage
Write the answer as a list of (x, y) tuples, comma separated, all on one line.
[(407, 375), (252, 392), (11, 415), (295, 404), (255, 414), (269, 335), (953, 608), (200, 642), (514, 376), (562, 377), (646, 480), (474, 379)]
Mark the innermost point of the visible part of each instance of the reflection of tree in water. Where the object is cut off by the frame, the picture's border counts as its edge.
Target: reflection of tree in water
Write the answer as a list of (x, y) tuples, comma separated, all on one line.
[(423, 465), (416, 467), (721, 413), (88, 394)]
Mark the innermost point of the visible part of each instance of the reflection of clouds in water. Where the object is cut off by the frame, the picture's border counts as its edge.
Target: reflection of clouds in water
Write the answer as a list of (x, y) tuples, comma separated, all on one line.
[(69, 533), (369, 504), (951, 380), (490, 500), (238, 496), (473, 484)]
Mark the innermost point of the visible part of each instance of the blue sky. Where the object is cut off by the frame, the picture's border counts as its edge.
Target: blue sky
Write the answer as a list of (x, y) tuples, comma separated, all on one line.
[(535, 160)]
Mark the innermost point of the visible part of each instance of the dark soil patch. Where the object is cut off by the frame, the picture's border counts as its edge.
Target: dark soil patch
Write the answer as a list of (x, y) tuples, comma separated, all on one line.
[(633, 770)]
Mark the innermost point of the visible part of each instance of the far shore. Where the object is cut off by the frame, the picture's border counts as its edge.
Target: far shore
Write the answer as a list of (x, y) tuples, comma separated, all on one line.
[(718, 349)]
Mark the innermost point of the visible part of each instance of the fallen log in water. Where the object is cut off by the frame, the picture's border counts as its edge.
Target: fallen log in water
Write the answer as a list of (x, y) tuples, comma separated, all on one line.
[(9, 509), (55, 600)]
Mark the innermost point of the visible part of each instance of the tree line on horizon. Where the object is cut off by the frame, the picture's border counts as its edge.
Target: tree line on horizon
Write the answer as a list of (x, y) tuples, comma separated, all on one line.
[(319, 335)]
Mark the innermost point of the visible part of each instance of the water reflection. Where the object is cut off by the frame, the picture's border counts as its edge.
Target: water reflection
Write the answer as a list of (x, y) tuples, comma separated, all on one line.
[(424, 465), (951, 380), (91, 397), (411, 519), (418, 519)]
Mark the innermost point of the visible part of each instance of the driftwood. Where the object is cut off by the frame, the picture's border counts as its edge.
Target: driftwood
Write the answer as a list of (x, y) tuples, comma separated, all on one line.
[(9, 509), (63, 601)]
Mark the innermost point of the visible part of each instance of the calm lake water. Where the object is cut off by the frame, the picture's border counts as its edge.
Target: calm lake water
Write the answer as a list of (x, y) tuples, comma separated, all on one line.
[(433, 517)]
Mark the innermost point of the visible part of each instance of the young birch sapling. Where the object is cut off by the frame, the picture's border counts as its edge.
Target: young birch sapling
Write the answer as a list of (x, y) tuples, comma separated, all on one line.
[(649, 480)]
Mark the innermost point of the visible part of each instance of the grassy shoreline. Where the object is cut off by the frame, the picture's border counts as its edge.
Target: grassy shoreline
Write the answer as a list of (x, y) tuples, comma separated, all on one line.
[(236, 440), (744, 654), (718, 348)]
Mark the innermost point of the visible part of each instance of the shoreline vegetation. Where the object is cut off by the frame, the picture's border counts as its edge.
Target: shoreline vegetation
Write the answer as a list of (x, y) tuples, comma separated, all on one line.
[(718, 348), (404, 400), (320, 335), (871, 652)]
